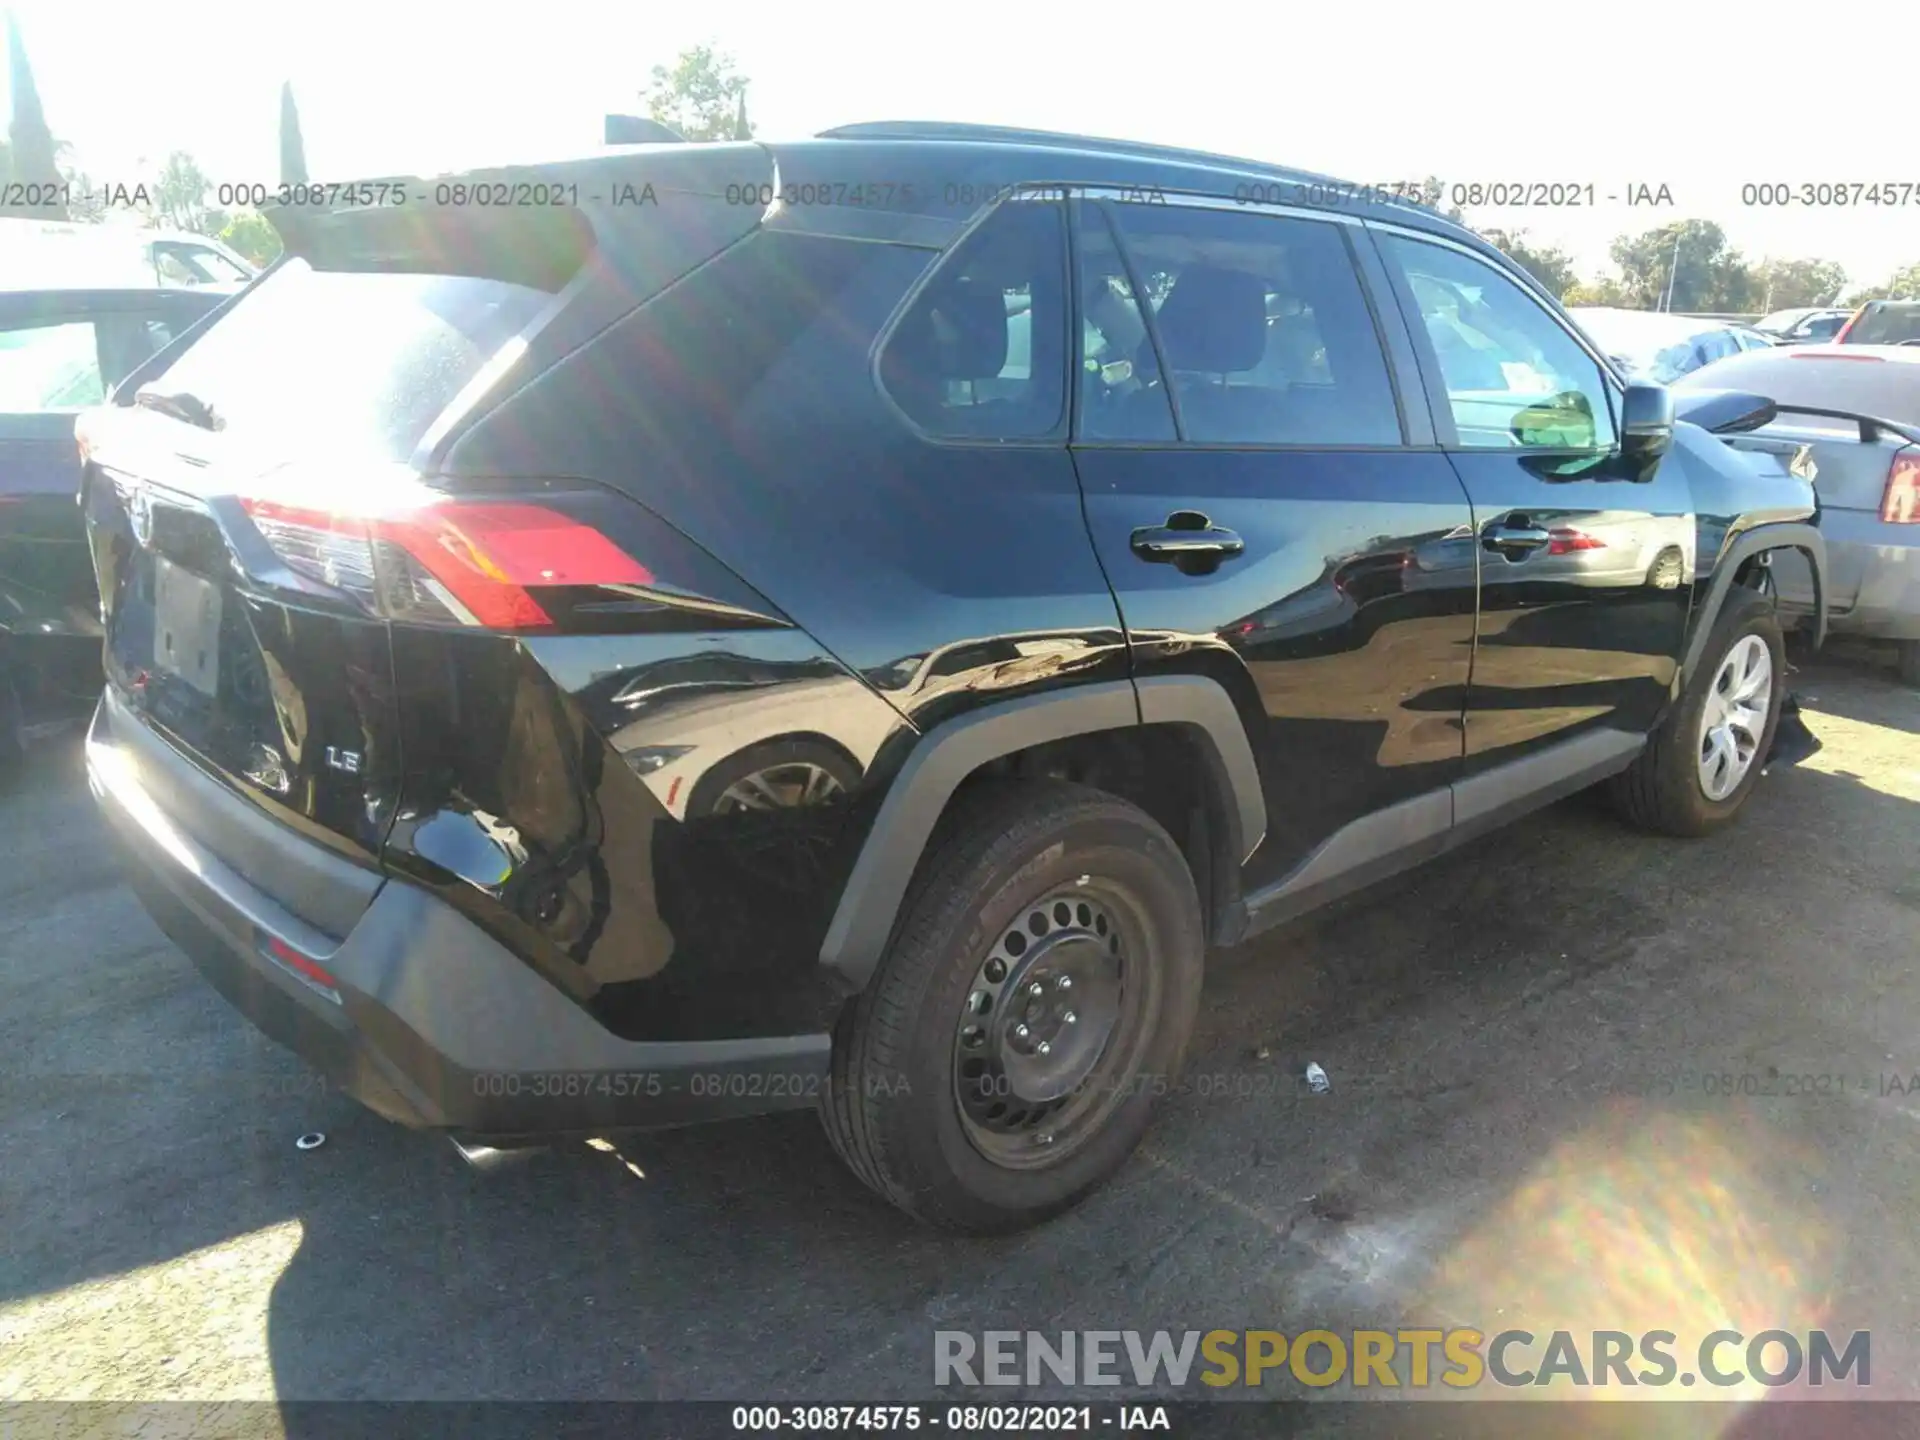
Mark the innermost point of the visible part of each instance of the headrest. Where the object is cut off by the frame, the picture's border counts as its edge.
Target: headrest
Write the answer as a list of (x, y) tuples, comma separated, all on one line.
[(962, 333), (1214, 321)]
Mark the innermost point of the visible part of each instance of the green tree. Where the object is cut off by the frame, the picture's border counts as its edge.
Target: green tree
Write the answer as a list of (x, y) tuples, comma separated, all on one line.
[(252, 235), (293, 150), (31, 158), (700, 95), (1686, 265), (1789, 284), (1552, 267), (1603, 291), (1904, 284), (1433, 191), (179, 195)]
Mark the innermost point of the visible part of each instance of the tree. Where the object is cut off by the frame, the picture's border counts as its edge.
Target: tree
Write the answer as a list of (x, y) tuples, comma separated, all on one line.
[(31, 154), (1552, 267), (701, 96), (1433, 191), (1903, 285), (1790, 284), (1686, 265), (252, 235), (293, 150), (180, 197), (741, 129), (1604, 291)]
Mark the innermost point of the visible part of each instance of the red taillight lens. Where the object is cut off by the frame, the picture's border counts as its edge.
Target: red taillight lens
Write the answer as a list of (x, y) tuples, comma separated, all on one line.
[(1565, 542), (1840, 335), (433, 559), (1901, 503)]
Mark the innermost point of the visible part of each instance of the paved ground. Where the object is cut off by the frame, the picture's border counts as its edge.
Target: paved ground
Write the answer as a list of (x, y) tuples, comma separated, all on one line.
[(1488, 1153)]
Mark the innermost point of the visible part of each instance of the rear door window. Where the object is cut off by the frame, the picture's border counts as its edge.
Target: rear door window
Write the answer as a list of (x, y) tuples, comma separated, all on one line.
[(1889, 325), (346, 360), (1260, 324)]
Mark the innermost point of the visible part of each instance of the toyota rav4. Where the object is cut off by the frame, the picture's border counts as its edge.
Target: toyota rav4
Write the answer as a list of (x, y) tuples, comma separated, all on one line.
[(849, 624)]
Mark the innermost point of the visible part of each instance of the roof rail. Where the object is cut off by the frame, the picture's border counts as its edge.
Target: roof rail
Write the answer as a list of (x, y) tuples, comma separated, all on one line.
[(1017, 135)]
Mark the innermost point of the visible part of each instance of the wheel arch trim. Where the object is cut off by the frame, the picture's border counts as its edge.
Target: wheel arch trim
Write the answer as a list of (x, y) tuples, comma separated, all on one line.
[(869, 904), (1782, 535)]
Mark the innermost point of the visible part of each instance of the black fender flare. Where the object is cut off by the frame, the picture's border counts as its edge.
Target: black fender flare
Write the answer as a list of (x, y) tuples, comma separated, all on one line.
[(869, 904), (1777, 535)]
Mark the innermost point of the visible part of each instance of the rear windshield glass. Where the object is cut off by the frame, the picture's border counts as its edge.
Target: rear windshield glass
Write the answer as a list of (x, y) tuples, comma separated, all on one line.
[(1890, 325), (348, 360)]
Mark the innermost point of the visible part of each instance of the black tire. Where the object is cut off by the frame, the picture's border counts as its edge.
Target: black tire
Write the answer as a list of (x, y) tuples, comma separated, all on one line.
[(771, 756), (1662, 791), (1908, 660), (893, 1107)]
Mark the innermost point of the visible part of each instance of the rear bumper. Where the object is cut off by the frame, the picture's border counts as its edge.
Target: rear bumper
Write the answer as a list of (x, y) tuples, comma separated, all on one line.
[(1873, 574), (436, 1025)]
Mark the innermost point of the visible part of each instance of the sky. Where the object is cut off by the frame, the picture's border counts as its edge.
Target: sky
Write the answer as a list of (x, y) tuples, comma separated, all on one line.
[(1628, 93)]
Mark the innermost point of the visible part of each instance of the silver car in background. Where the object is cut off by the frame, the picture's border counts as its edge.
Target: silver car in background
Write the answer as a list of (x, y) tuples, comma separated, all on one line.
[(1858, 408)]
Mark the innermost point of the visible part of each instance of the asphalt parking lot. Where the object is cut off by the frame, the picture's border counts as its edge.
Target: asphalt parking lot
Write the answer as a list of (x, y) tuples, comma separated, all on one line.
[(1502, 1029)]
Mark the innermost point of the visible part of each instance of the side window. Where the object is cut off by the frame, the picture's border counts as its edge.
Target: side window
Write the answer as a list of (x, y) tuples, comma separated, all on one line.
[(1262, 327), (47, 367), (1514, 377), (982, 353)]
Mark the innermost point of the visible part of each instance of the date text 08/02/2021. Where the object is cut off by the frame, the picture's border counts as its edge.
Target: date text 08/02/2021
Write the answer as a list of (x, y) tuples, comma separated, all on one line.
[(959, 1419)]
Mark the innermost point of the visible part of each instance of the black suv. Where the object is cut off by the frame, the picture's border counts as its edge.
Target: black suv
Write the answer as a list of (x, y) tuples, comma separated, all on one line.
[(848, 624)]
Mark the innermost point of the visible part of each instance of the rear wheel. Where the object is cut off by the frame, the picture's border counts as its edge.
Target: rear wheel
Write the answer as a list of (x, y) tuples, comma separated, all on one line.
[(1699, 767), (1039, 992)]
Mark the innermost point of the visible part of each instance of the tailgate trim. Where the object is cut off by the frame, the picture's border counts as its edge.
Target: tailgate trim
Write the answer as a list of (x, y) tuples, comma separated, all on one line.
[(312, 882)]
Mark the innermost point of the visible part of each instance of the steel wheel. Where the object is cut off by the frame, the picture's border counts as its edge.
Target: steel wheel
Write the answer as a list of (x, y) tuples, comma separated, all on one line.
[(778, 787), (1048, 1037), (1734, 719)]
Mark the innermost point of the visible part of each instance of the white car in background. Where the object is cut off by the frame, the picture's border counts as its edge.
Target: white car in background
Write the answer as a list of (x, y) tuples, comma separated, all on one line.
[(1651, 345), (47, 255)]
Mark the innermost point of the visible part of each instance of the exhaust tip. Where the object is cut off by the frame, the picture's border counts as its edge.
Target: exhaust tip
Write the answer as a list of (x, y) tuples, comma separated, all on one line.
[(487, 1159)]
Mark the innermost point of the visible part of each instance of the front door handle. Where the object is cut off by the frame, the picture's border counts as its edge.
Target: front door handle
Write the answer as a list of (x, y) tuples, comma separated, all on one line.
[(1523, 539), (1189, 541)]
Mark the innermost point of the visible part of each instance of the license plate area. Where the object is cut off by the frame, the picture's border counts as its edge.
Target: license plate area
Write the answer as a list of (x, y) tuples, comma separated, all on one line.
[(186, 626)]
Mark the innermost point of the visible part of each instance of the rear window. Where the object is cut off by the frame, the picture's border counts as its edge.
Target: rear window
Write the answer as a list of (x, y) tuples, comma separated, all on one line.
[(349, 360), (1888, 325)]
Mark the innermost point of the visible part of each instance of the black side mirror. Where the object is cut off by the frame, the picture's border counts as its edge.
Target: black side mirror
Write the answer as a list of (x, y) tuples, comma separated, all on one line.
[(1646, 423)]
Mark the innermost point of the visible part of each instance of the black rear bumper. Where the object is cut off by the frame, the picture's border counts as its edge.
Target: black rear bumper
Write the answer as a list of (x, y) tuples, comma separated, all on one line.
[(436, 1024)]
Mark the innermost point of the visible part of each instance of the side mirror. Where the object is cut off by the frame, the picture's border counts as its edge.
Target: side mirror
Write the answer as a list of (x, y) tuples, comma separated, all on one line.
[(1646, 423)]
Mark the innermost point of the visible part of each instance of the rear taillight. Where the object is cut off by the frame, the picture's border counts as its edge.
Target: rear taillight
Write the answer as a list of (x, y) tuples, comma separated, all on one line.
[(1565, 542), (422, 556), (1840, 335), (1901, 503)]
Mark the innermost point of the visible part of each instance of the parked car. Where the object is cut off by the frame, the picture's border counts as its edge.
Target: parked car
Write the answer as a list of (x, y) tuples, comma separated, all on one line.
[(1858, 408), (1750, 338), (1808, 325), (1657, 347), (457, 511), (1882, 322), (46, 255), (60, 351)]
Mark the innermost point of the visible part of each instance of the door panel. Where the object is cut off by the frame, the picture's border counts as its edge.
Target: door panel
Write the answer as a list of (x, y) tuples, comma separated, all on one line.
[(1343, 626), (1585, 569)]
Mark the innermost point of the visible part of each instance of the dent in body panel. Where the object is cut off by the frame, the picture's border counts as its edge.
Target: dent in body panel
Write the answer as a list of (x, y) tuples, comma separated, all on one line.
[(558, 793)]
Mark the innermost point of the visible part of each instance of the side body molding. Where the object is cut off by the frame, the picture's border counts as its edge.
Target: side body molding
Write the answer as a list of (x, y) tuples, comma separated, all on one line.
[(1775, 536), (863, 921)]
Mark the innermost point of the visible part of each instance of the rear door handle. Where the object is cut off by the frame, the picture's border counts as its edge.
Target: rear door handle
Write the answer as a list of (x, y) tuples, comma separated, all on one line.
[(1189, 541), (1522, 538)]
